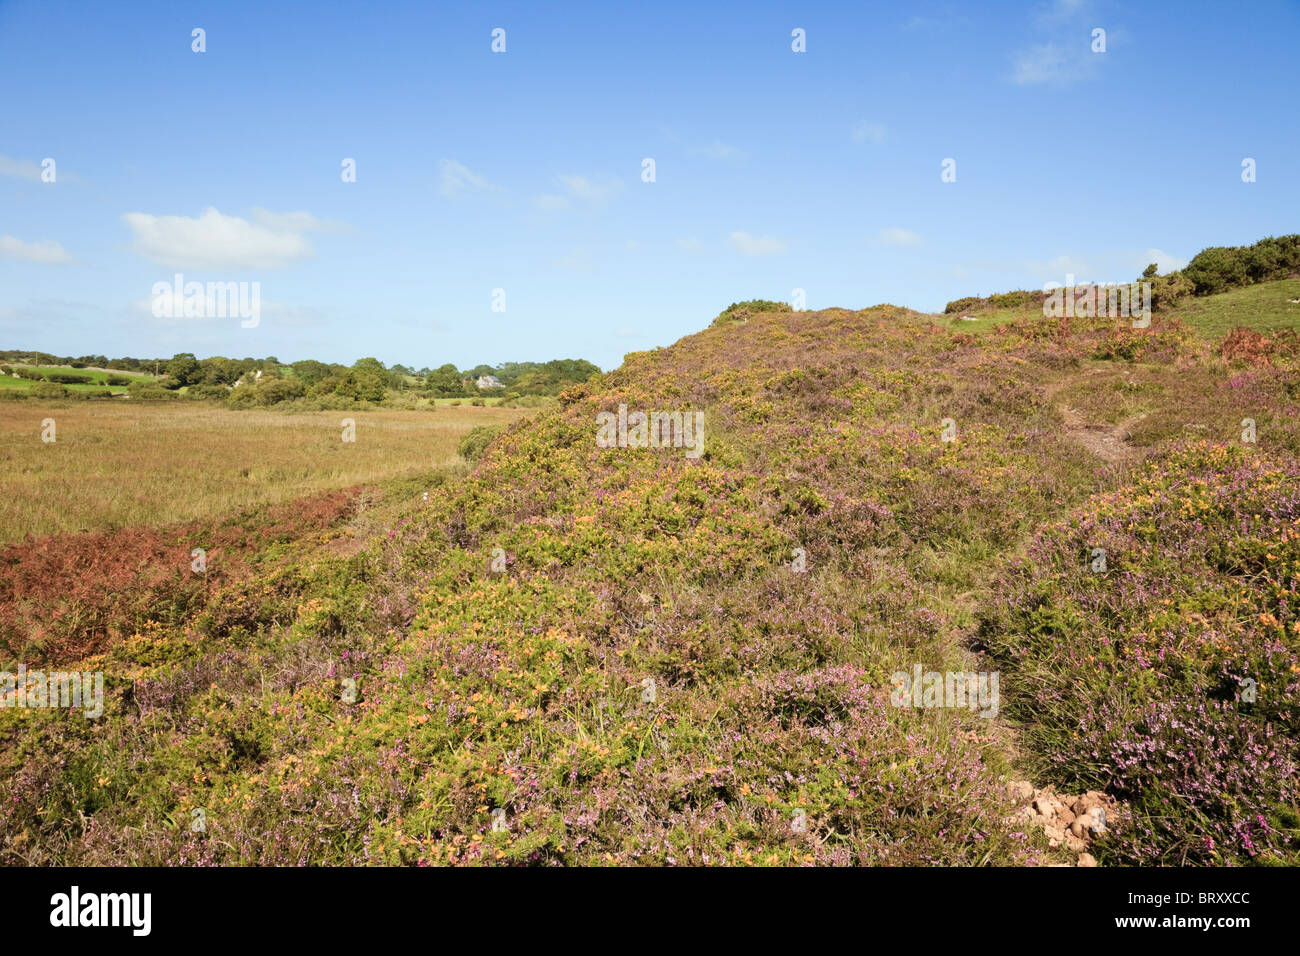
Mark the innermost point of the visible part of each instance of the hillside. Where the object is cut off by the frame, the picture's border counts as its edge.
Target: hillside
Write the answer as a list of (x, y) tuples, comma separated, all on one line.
[(689, 660)]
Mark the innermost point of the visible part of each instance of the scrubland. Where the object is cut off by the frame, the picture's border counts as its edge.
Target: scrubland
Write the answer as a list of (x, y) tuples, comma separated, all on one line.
[(602, 656)]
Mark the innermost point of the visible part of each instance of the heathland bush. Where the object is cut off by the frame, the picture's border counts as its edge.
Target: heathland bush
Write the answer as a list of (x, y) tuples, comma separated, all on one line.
[(151, 393), (68, 378), (476, 441), (740, 311), (1220, 268), (208, 393), (1169, 676)]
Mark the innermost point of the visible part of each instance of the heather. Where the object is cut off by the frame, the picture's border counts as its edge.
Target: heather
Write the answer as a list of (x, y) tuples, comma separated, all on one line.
[(586, 655), (1169, 679)]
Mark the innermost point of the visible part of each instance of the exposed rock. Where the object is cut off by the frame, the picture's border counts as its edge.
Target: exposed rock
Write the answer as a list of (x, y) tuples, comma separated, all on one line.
[(1021, 791), (1067, 822)]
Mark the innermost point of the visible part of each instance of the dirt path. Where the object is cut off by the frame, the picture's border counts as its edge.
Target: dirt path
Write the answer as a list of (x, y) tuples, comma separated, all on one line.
[(1108, 442)]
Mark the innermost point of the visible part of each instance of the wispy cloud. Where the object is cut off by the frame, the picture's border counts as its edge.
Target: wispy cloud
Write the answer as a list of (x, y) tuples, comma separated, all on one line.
[(458, 179), (30, 171), (1163, 260), (1066, 57), (868, 132), (748, 245), (1054, 64), (690, 245), (897, 237), (717, 150), (20, 169), (580, 190), (272, 312), (578, 260), (217, 241), (1059, 12), (43, 251)]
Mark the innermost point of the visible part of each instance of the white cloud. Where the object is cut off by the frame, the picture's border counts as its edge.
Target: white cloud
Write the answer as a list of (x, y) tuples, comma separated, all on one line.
[(578, 260), (292, 221), (1059, 268), (44, 251), (717, 150), (748, 245), (20, 169), (1164, 260), (215, 241), (1060, 11), (589, 189), (26, 169), (582, 190), (457, 179), (1067, 57), (690, 244), (1054, 64), (864, 131), (270, 312), (897, 237)]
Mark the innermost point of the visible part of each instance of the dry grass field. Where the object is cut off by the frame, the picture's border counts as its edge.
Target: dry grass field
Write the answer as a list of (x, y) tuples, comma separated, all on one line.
[(118, 464)]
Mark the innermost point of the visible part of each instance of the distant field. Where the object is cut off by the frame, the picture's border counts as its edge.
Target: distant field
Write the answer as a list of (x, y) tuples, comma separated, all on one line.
[(97, 378), (117, 464)]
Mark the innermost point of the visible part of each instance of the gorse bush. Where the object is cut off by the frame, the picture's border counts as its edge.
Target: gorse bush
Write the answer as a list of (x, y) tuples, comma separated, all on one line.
[(1219, 268), (740, 311)]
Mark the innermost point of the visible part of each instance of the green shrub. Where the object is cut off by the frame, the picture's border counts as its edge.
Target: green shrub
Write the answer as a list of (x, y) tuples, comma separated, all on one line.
[(48, 390), (151, 393), (969, 304), (68, 378), (741, 311), (476, 441), (207, 393)]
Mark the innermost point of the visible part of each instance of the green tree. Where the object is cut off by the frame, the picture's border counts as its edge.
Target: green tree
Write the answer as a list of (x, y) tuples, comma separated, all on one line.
[(183, 369)]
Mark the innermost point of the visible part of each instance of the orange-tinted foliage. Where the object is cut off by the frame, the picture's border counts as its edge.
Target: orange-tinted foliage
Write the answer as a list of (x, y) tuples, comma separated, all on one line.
[(63, 596)]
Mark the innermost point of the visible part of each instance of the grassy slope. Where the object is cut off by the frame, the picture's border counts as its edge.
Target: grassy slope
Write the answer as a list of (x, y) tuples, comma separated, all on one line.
[(528, 691), (1263, 307)]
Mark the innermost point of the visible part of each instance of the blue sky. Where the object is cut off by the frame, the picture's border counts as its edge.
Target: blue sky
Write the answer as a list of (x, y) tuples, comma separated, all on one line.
[(522, 170)]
